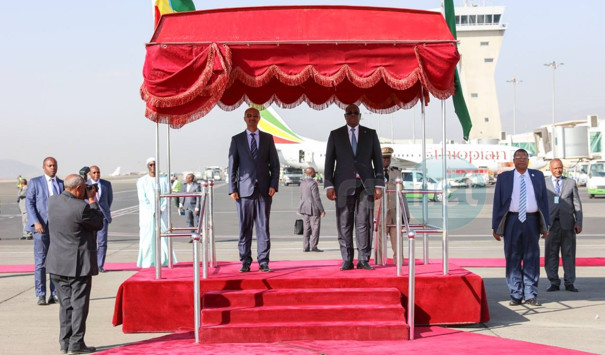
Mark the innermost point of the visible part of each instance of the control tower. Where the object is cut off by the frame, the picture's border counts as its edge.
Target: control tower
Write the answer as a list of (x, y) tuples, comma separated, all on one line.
[(480, 32)]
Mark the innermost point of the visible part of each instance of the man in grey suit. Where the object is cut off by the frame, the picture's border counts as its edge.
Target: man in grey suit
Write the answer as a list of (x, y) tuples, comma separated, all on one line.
[(353, 178), (312, 211), (104, 198), (566, 217), (72, 258), (191, 205), (36, 204), (253, 180)]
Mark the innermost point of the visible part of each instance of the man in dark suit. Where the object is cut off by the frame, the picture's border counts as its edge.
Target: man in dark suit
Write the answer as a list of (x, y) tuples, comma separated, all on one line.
[(253, 180), (104, 197), (353, 177), (36, 204), (312, 210), (72, 258), (191, 205), (566, 217), (520, 215)]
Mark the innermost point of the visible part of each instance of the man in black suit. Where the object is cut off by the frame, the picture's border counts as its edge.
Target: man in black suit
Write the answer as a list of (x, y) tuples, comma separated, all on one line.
[(353, 178), (104, 198), (253, 180), (72, 258), (566, 217)]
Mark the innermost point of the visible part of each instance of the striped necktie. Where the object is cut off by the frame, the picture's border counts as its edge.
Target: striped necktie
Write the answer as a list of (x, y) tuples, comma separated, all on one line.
[(522, 200), (353, 141), (558, 186), (253, 147)]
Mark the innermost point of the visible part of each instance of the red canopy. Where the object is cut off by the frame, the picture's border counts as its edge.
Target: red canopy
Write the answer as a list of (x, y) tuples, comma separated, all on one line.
[(379, 57)]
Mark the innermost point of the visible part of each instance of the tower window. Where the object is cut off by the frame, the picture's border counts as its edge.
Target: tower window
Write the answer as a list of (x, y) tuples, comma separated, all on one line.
[(488, 60), (486, 119), (474, 94), (486, 43)]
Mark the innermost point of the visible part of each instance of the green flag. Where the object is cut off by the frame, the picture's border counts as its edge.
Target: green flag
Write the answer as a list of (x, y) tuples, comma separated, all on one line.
[(459, 104)]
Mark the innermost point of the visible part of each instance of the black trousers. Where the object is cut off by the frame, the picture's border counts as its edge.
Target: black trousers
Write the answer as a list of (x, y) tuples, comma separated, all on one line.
[(563, 241), (355, 212), (74, 301)]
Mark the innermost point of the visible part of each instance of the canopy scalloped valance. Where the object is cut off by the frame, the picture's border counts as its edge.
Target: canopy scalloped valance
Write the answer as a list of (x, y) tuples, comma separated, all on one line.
[(289, 55)]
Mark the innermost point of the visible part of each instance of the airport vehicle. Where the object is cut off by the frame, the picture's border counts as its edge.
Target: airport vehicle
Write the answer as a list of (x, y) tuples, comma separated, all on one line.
[(213, 173), (579, 172), (412, 182), (595, 184), (292, 175)]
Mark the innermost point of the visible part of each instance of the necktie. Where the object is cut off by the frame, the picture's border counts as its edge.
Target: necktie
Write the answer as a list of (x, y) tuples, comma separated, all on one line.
[(253, 147), (353, 141), (55, 189), (558, 186), (522, 200), (386, 174)]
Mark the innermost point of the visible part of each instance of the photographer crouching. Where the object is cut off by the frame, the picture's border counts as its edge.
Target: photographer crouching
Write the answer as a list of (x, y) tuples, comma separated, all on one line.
[(72, 258)]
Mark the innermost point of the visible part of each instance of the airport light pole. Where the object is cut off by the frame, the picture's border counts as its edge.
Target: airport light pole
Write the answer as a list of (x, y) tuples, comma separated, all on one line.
[(554, 65), (514, 81)]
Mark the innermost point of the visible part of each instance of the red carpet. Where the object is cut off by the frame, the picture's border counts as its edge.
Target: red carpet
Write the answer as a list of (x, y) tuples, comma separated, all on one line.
[(462, 262), (138, 310), (429, 340)]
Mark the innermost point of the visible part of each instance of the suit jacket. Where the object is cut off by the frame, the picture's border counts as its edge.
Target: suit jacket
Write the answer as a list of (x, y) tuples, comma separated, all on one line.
[(341, 165), (73, 246), (36, 201), (106, 199), (569, 208), (503, 195), (244, 171), (191, 203), (310, 202)]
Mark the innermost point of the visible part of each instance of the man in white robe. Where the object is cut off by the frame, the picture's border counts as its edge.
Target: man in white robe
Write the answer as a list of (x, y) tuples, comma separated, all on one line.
[(147, 231)]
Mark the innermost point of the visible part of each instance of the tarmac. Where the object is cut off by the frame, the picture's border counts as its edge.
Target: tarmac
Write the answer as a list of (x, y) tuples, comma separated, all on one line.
[(566, 319)]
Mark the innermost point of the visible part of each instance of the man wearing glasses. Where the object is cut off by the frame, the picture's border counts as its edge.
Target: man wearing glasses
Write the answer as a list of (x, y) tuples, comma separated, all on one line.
[(354, 175), (147, 203), (253, 180), (520, 215)]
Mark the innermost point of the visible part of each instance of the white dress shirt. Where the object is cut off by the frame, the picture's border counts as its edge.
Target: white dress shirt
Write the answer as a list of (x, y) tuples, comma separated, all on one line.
[(49, 183), (532, 204)]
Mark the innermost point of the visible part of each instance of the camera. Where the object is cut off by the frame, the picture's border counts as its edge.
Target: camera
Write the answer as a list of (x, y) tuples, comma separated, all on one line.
[(83, 172)]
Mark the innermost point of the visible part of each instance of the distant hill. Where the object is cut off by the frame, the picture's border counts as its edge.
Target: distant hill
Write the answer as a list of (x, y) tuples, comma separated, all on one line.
[(10, 169)]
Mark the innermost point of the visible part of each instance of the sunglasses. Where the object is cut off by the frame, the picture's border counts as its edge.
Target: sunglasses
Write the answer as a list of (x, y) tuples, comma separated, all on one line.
[(349, 113), (250, 115)]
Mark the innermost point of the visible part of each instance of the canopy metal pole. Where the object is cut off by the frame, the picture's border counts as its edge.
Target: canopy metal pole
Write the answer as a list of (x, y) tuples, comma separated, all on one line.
[(213, 260), (196, 286), (398, 201), (411, 282), (444, 195), (205, 232), (158, 207), (425, 199), (169, 201), (383, 226)]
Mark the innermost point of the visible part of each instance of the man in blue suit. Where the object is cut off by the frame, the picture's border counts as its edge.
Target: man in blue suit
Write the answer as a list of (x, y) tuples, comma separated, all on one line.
[(36, 204), (520, 215), (253, 180), (104, 197)]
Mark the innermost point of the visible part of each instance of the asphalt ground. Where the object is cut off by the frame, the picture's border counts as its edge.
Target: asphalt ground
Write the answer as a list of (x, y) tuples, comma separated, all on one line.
[(566, 319)]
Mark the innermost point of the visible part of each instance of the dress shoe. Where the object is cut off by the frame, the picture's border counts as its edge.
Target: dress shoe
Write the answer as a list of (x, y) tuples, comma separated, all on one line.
[(53, 299), (514, 302), (347, 265), (245, 268), (533, 302), (84, 350), (265, 268), (30, 237), (364, 265), (42, 301), (571, 288), (317, 250), (64, 350), (306, 250), (23, 237), (553, 288)]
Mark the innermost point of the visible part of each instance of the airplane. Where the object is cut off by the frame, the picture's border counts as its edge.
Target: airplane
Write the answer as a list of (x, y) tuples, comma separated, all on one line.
[(116, 172), (300, 152)]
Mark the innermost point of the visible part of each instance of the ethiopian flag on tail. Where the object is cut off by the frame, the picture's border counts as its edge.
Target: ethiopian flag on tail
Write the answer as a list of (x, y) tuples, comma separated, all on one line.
[(459, 103), (161, 7)]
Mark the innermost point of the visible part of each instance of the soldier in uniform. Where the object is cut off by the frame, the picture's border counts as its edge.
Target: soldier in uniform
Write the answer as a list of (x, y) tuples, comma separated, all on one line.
[(391, 173)]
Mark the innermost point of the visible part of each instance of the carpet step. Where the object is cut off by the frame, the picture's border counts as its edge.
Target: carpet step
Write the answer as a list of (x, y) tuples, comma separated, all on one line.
[(307, 296), (306, 313), (335, 330)]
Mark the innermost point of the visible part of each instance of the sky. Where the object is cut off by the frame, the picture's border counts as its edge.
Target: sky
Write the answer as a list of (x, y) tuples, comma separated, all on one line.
[(70, 74)]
